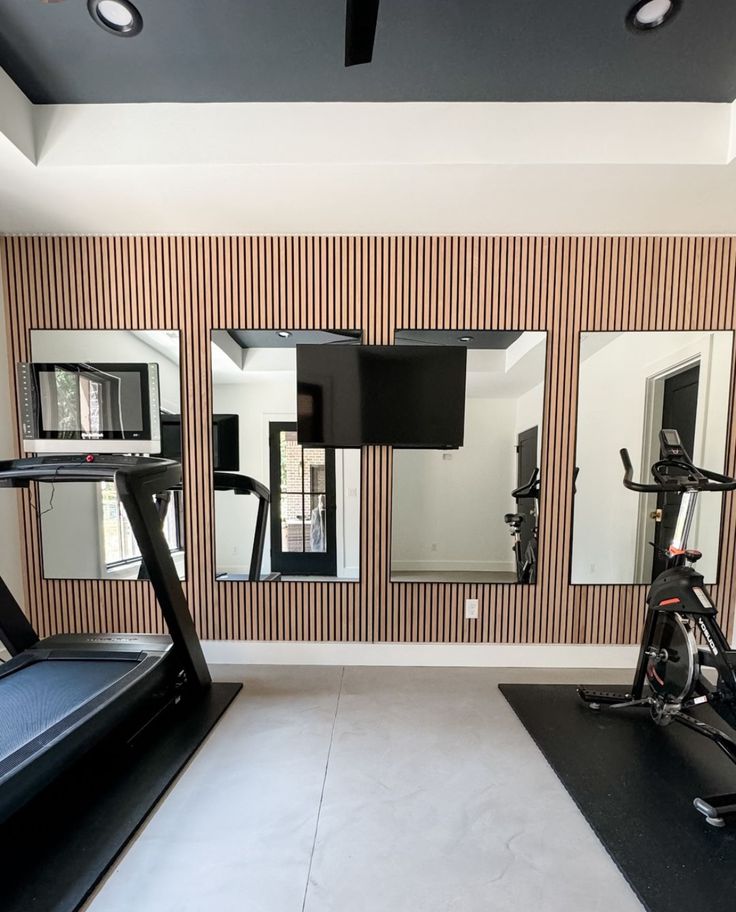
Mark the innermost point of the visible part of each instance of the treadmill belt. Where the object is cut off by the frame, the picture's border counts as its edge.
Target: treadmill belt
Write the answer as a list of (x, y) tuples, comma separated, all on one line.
[(39, 695)]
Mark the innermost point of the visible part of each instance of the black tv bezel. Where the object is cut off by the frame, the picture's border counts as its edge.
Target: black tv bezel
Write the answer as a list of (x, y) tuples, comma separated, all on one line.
[(408, 445)]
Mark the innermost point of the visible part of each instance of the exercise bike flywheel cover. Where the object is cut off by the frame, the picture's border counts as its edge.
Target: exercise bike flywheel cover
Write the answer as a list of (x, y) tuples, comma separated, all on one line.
[(672, 674)]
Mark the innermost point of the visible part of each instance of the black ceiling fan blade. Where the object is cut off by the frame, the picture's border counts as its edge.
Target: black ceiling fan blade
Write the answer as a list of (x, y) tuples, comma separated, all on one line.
[(360, 30)]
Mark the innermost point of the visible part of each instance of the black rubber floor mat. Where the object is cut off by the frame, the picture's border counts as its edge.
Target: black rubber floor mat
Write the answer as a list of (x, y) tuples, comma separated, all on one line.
[(635, 782)]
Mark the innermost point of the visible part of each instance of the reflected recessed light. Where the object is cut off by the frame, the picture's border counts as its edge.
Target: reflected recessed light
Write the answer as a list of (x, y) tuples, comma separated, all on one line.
[(466, 338), (283, 334), (651, 14), (118, 17)]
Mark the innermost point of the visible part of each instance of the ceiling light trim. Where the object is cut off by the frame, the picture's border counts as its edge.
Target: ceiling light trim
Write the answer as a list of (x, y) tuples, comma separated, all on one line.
[(636, 25), (129, 30)]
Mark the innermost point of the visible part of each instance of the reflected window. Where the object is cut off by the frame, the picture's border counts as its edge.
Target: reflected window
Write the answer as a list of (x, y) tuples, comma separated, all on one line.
[(302, 493), (119, 544)]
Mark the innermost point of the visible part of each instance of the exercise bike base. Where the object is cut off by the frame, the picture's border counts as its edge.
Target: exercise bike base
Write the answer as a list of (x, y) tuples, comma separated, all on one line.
[(717, 810)]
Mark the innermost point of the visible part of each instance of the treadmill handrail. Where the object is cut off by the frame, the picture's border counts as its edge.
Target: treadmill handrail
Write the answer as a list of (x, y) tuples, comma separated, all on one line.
[(241, 484), (151, 472)]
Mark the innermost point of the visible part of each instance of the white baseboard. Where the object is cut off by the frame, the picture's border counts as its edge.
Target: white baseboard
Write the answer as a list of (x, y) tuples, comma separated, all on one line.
[(486, 655)]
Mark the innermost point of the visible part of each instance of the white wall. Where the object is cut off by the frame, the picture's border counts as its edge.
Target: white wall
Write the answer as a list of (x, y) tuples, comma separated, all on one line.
[(264, 397), (70, 532), (9, 526), (448, 506), (611, 415)]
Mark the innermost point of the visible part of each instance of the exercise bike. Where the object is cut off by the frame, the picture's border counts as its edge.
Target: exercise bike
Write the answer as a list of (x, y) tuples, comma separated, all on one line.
[(669, 678), (526, 561)]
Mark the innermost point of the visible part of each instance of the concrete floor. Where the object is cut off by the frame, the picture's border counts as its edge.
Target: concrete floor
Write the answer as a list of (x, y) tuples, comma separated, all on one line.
[(328, 789)]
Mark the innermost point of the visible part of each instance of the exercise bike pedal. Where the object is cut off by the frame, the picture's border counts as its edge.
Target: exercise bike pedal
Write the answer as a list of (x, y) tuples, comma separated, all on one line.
[(716, 809), (597, 698)]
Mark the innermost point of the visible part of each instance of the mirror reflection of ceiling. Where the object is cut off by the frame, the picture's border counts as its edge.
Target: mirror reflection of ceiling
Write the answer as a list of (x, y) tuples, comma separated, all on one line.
[(425, 50), (501, 364), (243, 355)]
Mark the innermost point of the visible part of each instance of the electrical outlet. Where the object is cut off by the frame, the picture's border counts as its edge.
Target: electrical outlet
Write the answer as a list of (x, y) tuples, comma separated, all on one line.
[(471, 609), (433, 546)]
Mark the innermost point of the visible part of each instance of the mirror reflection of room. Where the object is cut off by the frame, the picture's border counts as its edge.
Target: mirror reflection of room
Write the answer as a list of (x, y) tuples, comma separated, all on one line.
[(85, 533), (631, 386), (455, 516), (308, 520)]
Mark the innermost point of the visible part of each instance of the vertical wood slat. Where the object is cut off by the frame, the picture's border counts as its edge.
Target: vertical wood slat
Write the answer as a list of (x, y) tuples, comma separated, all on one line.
[(562, 285)]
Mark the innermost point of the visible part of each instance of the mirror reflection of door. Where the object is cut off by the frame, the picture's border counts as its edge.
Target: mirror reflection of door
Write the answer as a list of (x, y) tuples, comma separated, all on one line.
[(303, 499), (679, 411), (526, 463)]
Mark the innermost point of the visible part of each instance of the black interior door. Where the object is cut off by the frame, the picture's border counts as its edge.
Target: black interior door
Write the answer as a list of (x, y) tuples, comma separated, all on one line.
[(303, 505), (526, 463), (679, 411)]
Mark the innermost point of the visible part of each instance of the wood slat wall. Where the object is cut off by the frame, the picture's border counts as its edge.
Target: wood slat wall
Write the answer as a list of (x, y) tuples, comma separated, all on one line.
[(563, 285)]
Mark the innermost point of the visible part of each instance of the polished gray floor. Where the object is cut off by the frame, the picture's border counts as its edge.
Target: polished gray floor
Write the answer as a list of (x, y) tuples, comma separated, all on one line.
[(369, 790), (452, 576)]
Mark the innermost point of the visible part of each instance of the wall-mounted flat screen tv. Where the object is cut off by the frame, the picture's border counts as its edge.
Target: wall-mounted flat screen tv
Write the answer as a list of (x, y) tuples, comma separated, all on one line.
[(409, 396), (225, 441)]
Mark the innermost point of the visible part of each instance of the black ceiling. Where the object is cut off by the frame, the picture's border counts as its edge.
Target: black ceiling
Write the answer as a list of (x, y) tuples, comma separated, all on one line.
[(482, 339), (270, 338), (425, 50)]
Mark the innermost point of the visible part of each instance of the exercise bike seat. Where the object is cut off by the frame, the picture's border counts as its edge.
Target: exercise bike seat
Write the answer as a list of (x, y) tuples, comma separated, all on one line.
[(513, 519)]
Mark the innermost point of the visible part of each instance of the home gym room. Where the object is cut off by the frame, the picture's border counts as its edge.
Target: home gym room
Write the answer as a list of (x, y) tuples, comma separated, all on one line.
[(367, 455)]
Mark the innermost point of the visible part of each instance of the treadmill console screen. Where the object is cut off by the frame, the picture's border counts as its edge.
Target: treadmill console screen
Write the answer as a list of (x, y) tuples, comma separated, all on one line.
[(72, 408)]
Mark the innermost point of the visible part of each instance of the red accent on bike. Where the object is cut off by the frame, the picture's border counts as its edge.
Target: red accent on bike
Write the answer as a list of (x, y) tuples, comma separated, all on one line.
[(672, 601)]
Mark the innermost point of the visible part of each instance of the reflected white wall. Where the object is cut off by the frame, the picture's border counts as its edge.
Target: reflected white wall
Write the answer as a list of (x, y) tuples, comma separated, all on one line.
[(615, 369)]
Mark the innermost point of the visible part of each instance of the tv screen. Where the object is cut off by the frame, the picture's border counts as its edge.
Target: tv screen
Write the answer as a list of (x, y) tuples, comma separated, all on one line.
[(410, 396), (225, 441)]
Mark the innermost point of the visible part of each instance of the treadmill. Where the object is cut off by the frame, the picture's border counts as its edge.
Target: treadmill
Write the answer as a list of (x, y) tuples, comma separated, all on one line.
[(62, 695), (244, 485)]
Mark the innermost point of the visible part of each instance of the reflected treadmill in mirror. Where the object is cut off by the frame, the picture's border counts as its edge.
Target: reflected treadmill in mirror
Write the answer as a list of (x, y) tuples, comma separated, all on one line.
[(85, 533), (314, 521), (455, 516), (631, 385)]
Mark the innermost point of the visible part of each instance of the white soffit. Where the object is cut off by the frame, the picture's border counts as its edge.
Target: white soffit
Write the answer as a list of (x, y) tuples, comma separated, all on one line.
[(403, 133), (404, 168)]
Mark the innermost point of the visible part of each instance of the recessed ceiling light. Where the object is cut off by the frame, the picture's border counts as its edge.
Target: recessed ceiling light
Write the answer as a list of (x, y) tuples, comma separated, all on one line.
[(283, 334), (466, 338), (118, 17), (651, 14)]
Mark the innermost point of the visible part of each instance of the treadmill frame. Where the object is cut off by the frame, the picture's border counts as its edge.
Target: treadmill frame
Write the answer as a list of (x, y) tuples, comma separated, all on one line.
[(137, 479)]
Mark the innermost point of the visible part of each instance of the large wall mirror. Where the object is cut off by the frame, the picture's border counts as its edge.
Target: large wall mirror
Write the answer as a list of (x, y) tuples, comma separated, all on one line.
[(454, 515), (631, 385), (84, 530), (312, 528)]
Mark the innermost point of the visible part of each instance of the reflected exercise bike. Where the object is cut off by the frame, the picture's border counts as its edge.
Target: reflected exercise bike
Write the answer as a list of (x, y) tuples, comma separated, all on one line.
[(670, 677), (525, 558)]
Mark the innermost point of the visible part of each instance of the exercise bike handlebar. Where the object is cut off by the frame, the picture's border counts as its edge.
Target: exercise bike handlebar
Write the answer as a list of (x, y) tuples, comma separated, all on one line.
[(530, 489), (692, 479)]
